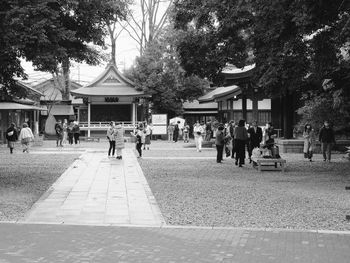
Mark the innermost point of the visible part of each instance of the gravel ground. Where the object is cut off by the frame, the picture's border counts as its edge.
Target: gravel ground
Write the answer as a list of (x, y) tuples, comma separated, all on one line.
[(203, 193), (25, 177)]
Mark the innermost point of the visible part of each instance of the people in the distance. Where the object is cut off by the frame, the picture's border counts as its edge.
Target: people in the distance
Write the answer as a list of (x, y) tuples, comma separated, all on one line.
[(148, 134), (140, 139), (197, 132), (70, 132), (176, 131), (76, 132), (208, 131), (65, 133), (327, 140), (270, 135), (309, 141), (241, 137), (255, 138), (26, 136), (119, 139), (11, 136), (111, 138), (59, 133), (219, 142), (186, 133), (170, 132)]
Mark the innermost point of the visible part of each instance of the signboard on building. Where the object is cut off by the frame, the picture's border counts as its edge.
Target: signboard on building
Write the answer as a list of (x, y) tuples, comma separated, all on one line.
[(159, 122)]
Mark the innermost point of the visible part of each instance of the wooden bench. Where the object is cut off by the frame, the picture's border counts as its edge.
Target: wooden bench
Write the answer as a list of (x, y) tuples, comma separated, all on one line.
[(269, 164)]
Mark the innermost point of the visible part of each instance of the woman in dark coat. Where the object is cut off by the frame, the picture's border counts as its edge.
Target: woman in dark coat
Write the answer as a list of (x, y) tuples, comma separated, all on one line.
[(11, 136), (241, 137)]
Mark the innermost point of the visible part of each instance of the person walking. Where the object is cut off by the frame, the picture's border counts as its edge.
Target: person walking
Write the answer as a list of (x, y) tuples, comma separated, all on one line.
[(148, 134), (111, 139), (59, 133), (170, 132), (119, 140), (11, 136), (255, 138), (26, 136), (309, 141), (327, 140), (76, 132), (219, 142), (140, 139), (197, 132), (65, 134), (186, 133), (241, 137)]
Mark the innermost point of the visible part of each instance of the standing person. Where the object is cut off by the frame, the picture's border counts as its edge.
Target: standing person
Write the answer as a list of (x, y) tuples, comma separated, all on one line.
[(232, 126), (59, 133), (140, 138), (208, 131), (186, 133), (76, 132), (219, 142), (255, 138), (309, 141), (241, 137), (148, 134), (119, 139), (111, 138), (170, 132), (197, 132), (11, 136), (70, 133), (26, 136), (176, 131), (327, 140), (64, 126)]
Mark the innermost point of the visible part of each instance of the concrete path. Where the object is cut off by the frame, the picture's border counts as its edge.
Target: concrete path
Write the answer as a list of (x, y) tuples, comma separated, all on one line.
[(64, 243), (101, 191)]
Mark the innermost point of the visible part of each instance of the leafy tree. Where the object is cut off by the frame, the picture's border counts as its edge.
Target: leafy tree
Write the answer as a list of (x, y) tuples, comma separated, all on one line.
[(159, 73), (50, 33)]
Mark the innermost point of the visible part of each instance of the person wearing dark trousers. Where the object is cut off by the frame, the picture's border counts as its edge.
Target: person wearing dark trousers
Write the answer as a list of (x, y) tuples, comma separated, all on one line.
[(241, 137), (12, 137), (140, 140), (76, 133), (219, 142), (176, 131), (232, 131), (327, 140), (111, 138), (255, 138)]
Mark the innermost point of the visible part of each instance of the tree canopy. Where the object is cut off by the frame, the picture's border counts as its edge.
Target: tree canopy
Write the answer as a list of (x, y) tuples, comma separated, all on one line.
[(49, 33)]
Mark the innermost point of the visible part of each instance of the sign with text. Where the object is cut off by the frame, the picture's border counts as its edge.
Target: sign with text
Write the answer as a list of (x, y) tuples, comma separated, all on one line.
[(159, 122)]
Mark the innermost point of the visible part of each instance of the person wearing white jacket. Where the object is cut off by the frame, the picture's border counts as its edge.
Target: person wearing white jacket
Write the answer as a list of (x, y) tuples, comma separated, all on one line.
[(198, 132), (25, 137)]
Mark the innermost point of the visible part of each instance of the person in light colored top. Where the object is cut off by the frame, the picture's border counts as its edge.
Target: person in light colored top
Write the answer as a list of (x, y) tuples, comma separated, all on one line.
[(111, 138), (197, 132), (119, 139), (171, 129), (309, 141), (148, 133), (140, 139), (26, 136)]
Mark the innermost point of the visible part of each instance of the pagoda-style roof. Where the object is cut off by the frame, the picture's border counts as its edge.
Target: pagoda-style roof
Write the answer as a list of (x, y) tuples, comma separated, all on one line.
[(220, 92), (110, 83)]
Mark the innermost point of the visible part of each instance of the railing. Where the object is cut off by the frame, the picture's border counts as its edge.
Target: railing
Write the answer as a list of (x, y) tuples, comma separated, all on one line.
[(104, 125)]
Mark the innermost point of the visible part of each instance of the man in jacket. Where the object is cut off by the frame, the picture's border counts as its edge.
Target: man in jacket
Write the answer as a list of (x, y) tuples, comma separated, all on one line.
[(255, 138), (327, 140)]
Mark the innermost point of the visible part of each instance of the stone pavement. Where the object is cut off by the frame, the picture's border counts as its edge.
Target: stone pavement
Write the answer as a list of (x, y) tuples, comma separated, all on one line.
[(67, 243), (99, 190)]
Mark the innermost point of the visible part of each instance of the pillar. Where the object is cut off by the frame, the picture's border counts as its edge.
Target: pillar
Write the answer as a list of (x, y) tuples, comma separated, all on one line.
[(244, 107), (255, 108), (134, 113), (89, 117)]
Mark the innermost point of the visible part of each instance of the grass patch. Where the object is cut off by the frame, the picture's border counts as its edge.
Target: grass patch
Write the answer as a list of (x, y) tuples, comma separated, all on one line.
[(25, 177)]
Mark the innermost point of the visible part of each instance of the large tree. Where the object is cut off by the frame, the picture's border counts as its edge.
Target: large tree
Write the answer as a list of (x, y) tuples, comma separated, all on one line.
[(159, 73), (292, 42), (50, 33)]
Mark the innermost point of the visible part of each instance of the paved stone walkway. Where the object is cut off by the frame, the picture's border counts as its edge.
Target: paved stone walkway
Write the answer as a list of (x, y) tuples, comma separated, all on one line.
[(65, 243), (99, 190)]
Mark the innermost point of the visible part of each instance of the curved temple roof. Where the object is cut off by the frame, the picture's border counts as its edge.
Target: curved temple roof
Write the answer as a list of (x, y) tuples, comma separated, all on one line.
[(110, 83)]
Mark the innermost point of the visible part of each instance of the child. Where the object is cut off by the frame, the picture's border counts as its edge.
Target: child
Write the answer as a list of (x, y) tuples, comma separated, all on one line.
[(140, 139)]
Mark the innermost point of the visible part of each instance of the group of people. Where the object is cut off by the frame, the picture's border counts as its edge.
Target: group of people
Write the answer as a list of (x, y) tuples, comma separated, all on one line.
[(66, 131), (25, 137)]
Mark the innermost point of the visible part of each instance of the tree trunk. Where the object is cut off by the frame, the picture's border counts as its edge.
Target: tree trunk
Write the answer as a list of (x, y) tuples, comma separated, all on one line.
[(244, 107), (65, 69), (113, 51)]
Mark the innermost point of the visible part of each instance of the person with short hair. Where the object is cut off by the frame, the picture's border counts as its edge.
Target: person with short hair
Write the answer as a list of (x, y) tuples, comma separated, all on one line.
[(111, 138), (76, 132), (219, 143), (140, 139), (11, 136), (59, 133), (64, 126), (197, 132), (170, 132), (327, 140), (255, 138), (241, 137), (176, 131), (309, 141), (186, 133), (148, 133), (119, 139), (26, 136), (70, 132)]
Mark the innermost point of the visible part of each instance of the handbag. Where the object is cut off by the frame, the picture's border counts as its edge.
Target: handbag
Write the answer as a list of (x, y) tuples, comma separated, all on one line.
[(10, 133)]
